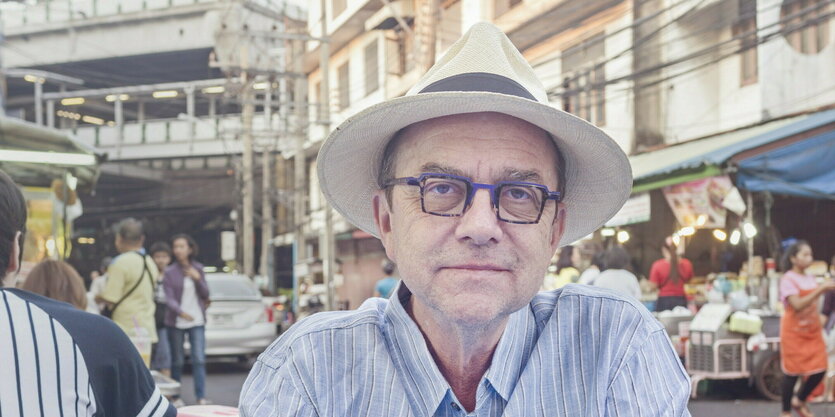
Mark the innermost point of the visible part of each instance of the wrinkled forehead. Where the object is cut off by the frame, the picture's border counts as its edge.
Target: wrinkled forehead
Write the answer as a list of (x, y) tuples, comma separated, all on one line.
[(466, 137)]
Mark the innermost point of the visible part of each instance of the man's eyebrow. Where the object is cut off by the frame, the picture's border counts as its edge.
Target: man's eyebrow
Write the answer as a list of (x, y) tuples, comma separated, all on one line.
[(437, 168), (511, 174)]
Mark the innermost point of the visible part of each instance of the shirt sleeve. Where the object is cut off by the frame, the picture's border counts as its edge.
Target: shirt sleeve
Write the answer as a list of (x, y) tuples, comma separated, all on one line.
[(655, 273), (787, 288), (650, 382), (686, 269), (114, 286), (271, 392)]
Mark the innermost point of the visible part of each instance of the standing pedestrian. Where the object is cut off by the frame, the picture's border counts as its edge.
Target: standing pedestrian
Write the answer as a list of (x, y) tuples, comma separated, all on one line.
[(669, 274), (802, 349), (187, 296), (57, 280), (384, 286), (131, 279), (616, 277), (161, 355), (82, 364)]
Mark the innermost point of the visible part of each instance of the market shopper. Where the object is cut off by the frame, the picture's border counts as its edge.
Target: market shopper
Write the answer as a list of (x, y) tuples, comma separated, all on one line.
[(161, 353), (568, 260), (472, 181), (802, 348), (74, 349), (615, 276), (128, 291), (669, 280), (187, 296), (57, 280)]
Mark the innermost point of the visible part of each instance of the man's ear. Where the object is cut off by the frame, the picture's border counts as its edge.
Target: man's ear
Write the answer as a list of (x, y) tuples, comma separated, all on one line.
[(14, 257), (558, 227), (382, 219)]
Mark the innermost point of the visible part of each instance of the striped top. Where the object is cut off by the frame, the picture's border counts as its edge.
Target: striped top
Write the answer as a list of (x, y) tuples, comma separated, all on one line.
[(577, 351), (60, 361)]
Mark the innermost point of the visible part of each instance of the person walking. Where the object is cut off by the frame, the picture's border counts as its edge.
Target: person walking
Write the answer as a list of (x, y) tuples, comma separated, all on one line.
[(802, 349), (187, 296), (57, 280), (615, 276), (161, 355), (131, 279), (669, 274)]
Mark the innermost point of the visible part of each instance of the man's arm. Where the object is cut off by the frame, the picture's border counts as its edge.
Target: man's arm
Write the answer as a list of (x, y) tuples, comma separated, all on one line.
[(651, 382), (114, 286), (271, 392)]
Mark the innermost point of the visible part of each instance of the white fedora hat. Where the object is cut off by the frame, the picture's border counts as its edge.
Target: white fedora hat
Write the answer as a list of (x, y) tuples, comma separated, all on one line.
[(481, 72)]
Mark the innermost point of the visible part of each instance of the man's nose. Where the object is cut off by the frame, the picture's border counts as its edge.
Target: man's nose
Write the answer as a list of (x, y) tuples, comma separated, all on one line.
[(479, 223)]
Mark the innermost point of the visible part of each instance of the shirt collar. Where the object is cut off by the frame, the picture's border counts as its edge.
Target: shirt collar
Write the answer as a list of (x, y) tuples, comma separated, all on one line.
[(427, 385)]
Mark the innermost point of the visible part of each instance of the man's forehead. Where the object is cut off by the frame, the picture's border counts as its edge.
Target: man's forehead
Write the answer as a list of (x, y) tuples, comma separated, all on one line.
[(498, 173)]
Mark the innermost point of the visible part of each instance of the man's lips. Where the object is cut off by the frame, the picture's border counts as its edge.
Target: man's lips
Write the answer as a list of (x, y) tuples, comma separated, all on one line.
[(477, 267)]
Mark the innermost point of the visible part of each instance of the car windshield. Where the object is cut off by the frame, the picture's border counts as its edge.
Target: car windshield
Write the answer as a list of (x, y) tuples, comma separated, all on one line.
[(231, 288)]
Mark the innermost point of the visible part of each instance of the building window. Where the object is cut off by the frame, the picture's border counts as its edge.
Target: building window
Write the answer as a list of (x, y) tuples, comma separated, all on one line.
[(745, 30), (584, 90), (405, 61), (337, 7), (805, 24), (344, 86), (372, 70)]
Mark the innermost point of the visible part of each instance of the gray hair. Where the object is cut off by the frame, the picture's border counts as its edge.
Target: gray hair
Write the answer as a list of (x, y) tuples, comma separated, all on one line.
[(130, 230)]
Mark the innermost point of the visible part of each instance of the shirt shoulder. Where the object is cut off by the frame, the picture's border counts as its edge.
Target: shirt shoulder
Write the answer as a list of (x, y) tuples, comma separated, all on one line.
[(594, 306), (370, 316)]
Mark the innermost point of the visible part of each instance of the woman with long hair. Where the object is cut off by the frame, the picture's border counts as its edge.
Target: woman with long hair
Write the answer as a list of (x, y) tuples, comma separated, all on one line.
[(57, 280), (187, 296), (669, 275), (802, 349)]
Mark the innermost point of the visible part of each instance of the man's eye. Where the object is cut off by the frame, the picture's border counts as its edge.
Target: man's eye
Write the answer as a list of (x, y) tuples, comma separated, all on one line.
[(519, 193)]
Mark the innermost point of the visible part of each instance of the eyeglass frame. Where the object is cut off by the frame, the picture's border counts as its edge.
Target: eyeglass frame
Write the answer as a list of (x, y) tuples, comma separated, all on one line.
[(472, 187)]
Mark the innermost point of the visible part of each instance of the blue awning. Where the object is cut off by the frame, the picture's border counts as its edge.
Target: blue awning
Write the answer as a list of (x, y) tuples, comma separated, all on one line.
[(803, 168), (709, 156)]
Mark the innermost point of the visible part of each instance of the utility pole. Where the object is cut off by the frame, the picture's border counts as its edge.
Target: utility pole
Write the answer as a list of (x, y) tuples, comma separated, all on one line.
[(299, 167), (266, 196), (326, 242), (249, 189)]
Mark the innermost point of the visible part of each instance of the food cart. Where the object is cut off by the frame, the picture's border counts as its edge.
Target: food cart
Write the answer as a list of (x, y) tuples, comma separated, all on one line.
[(715, 351)]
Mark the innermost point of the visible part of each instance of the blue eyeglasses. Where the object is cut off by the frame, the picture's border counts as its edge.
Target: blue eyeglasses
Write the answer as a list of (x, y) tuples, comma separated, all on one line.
[(451, 195)]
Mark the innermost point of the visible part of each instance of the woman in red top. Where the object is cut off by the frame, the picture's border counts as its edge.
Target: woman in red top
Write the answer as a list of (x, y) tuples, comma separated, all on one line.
[(670, 281)]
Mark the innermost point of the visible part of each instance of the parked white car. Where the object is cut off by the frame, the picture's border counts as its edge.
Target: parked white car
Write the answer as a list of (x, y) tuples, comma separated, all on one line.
[(238, 321)]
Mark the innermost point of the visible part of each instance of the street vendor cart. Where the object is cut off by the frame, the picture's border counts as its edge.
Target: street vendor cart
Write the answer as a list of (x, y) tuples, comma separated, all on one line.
[(715, 351)]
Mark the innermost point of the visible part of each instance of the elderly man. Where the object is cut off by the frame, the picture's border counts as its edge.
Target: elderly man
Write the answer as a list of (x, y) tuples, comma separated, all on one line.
[(472, 181)]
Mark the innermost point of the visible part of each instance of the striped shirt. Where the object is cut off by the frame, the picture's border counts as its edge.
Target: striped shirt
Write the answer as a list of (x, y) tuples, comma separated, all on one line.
[(60, 361), (577, 351)]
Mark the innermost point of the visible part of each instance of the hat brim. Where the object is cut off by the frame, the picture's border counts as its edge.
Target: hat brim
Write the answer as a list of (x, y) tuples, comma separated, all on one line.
[(598, 173)]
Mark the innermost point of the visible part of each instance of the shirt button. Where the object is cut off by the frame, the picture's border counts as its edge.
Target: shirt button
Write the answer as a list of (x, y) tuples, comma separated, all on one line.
[(455, 406)]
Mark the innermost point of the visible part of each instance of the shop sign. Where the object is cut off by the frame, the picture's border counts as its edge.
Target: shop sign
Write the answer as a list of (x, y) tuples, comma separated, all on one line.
[(700, 203), (636, 210)]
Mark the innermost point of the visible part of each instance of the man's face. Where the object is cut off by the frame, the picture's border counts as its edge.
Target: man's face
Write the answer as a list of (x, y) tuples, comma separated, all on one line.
[(474, 268)]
